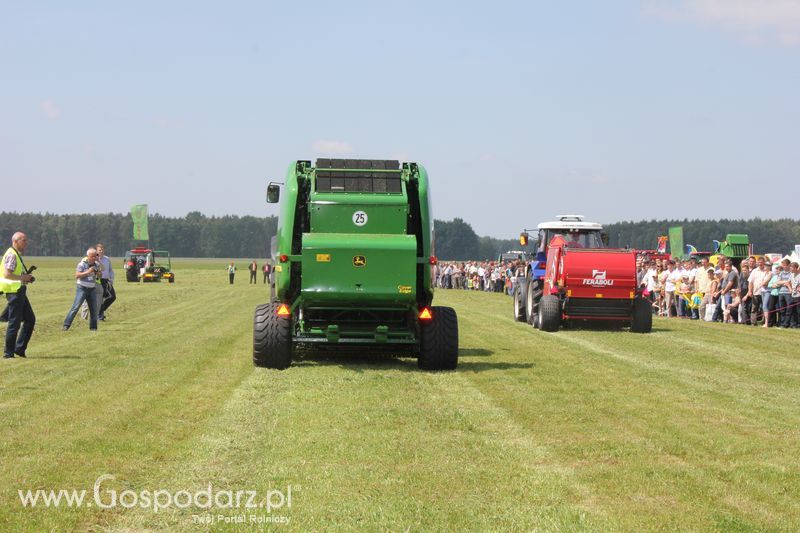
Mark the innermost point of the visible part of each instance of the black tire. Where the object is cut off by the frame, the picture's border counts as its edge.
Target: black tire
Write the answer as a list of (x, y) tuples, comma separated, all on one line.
[(533, 296), (272, 338), (172, 279), (439, 340), (642, 316), (549, 313), (131, 277), (519, 302)]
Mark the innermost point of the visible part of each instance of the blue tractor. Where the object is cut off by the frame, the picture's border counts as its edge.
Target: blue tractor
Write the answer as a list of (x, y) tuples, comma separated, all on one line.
[(530, 286)]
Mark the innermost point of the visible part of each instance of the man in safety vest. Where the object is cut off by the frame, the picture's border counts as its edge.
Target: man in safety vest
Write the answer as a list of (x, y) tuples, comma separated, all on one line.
[(13, 283)]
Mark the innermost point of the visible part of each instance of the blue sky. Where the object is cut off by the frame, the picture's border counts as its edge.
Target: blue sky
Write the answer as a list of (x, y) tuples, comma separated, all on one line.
[(519, 110)]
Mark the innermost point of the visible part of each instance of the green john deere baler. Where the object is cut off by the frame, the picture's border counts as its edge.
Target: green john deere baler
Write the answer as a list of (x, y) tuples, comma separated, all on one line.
[(353, 258)]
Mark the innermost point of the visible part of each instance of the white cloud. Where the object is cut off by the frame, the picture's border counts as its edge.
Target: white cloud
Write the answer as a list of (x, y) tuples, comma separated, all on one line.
[(755, 21), (329, 147), (50, 109)]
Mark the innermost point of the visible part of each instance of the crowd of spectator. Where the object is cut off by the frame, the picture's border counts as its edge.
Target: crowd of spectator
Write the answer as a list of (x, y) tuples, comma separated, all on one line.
[(488, 276), (756, 293)]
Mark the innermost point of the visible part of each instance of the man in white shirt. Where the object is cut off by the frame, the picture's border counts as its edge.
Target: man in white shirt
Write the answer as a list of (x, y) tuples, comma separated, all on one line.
[(756, 288), (109, 295), (673, 278), (85, 273), (649, 281)]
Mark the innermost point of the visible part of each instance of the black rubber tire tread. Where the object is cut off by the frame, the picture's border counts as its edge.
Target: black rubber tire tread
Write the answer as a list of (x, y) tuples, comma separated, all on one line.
[(530, 310), (550, 309), (172, 279), (533, 294), (272, 338), (519, 304), (439, 340), (642, 316)]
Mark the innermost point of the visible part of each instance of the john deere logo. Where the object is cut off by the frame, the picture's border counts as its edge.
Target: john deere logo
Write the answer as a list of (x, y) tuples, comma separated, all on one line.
[(359, 261)]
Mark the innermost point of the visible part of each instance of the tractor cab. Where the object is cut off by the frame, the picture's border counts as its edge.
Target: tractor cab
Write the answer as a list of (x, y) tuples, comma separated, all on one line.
[(575, 232)]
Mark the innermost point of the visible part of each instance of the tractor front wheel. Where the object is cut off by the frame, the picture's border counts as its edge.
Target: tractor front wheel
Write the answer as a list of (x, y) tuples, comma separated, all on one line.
[(549, 313), (439, 340), (642, 316), (272, 338)]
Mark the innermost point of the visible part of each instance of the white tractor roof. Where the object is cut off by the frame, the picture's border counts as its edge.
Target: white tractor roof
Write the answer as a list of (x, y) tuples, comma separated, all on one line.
[(570, 222)]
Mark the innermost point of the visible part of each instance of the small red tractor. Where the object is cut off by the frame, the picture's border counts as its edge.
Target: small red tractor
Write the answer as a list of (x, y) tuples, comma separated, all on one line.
[(583, 281), (148, 265)]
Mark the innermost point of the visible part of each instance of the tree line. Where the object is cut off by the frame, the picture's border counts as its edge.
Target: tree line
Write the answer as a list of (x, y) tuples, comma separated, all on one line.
[(767, 236), (197, 235), (194, 235)]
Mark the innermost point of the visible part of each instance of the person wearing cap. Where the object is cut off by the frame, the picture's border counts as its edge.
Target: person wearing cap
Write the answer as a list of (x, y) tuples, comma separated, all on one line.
[(730, 314)]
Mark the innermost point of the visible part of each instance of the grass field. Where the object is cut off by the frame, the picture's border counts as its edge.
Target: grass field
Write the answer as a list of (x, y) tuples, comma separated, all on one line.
[(695, 426)]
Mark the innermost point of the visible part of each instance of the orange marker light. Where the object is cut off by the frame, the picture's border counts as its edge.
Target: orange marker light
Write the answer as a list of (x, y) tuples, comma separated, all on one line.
[(283, 310), (425, 314), (432, 260), (284, 258)]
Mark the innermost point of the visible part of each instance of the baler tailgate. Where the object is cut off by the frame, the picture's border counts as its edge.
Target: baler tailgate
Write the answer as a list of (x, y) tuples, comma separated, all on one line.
[(370, 270)]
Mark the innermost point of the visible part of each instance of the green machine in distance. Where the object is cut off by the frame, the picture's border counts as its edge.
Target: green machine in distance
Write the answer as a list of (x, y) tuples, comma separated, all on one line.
[(353, 260)]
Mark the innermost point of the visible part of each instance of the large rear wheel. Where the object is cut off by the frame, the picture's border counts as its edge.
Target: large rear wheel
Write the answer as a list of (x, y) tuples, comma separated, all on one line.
[(519, 302), (533, 296), (549, 313), (439, 340), (272, 338), (642, 316)]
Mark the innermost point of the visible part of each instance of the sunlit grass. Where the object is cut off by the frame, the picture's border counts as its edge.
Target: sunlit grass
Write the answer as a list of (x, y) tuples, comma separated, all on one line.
[(694, 426)]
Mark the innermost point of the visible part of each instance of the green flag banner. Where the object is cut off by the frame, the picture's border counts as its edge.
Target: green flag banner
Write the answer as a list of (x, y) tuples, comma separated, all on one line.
[(139, 216), (676, 242)]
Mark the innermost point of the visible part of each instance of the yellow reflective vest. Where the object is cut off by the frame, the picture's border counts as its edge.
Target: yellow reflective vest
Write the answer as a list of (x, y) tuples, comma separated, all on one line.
[(11, 286)]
